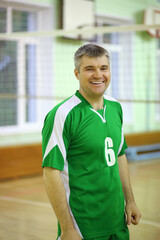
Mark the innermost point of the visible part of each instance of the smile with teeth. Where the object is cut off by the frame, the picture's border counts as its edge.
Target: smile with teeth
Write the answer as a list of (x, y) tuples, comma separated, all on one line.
[(97, 82)]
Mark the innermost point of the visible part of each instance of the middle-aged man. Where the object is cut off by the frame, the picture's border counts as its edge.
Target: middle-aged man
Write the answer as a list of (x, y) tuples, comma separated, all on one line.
[(85, 167)]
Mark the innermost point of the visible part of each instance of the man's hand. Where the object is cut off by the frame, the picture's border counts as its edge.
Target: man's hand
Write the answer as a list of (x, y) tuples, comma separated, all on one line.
[(133, 213), (70, 235)]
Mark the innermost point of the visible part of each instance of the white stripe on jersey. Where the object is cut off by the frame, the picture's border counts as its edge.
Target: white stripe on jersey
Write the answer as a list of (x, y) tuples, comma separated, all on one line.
[(122, 141), (60, 117), (107, 97)]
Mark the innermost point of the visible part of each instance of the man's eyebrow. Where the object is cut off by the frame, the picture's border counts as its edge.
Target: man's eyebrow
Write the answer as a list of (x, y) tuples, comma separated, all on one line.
[(105, 66), (91, 66)]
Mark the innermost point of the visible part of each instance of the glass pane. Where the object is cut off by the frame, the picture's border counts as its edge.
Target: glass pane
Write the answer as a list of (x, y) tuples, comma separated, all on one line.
[(31, 83), (23, 21), (3, 24), (8, 82), (106, 38), (110, 37), (115, 74)]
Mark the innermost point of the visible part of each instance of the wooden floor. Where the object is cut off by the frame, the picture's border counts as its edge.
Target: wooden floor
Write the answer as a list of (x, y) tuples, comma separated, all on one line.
[(25, 212)]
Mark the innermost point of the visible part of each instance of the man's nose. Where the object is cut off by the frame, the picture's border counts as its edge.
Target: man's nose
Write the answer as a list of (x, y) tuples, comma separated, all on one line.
[(97, 73)]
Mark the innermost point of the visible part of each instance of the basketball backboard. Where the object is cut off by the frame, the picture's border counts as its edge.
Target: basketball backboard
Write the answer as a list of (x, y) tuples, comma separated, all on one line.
[(77, 14)]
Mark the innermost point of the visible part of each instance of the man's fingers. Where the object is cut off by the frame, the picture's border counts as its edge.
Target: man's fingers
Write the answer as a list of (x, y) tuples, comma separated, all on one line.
[(135, 219), (128, 218)]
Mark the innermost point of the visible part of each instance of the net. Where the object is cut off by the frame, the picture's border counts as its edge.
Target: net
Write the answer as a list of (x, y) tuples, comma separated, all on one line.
[(36, 73)]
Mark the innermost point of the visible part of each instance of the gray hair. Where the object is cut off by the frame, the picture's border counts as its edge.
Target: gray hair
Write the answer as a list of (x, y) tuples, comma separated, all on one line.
[(90, 50)]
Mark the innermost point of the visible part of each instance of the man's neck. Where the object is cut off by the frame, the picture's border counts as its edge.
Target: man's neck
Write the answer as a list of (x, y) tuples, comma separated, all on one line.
[(96, 102), (97, 105)]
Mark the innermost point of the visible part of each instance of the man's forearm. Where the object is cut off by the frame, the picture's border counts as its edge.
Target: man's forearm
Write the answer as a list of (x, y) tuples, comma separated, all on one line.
[(57, 196), (125, 179), (132, 212)]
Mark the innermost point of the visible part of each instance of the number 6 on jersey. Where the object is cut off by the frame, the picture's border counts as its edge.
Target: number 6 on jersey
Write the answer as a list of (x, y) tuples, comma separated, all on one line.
[(109, 153)]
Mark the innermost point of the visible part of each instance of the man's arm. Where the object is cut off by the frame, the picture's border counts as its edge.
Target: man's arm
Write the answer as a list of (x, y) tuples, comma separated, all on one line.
[(57, 196), (132, 212)]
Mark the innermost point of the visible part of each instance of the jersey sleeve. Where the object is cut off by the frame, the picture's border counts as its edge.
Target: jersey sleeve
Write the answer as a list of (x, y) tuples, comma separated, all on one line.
[(123, 145), (55, 140)]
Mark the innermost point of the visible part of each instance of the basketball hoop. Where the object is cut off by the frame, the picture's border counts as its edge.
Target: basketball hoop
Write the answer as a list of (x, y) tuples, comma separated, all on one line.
[(152, 17)]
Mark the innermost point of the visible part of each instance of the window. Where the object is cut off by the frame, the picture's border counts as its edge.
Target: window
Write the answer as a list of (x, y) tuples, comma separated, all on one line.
[(21, 21), (9, 84), (22, 67), (119, 46)]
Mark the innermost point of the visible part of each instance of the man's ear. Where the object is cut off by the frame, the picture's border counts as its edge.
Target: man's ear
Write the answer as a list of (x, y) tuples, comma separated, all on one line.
[(76, 73)]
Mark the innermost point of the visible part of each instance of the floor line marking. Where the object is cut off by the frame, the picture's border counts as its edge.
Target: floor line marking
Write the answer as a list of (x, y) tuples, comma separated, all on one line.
[(147, 222), (17, 200), (48, 205)]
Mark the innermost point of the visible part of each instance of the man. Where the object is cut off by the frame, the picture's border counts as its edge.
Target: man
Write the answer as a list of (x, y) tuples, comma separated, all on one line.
[(85, 168)]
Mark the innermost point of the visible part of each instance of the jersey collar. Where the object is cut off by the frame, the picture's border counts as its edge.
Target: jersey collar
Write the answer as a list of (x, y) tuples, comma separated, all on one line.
[(90, 106), (78, 94)]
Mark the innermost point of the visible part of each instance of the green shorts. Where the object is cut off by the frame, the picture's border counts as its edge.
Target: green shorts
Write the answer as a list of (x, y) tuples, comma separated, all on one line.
[(121, 235)]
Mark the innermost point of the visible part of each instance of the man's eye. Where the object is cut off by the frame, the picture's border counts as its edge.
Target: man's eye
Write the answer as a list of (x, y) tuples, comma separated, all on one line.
[(89, 69), (104, 69)]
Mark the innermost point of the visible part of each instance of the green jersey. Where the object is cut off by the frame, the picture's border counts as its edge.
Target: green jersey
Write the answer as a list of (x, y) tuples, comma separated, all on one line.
[(84, 145)]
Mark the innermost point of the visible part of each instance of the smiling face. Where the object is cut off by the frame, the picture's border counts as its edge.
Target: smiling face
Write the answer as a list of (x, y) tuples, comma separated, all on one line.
[(94, 76)]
